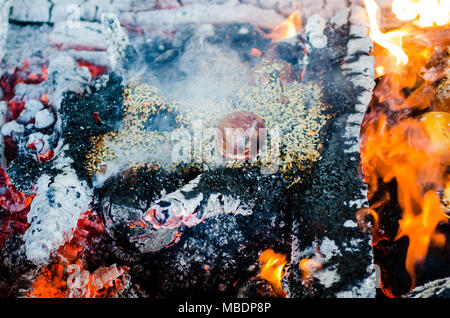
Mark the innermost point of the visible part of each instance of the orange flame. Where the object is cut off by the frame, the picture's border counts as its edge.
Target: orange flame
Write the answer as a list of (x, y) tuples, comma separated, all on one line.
[(273, 269), (425, 13), (392, 41), (412, 152), (288, 28)]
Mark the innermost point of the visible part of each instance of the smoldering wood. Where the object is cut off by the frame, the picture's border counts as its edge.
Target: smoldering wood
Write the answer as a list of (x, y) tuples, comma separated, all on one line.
[(122, 54), (439, 288), (134, 11), (230, 244), (324, 221)]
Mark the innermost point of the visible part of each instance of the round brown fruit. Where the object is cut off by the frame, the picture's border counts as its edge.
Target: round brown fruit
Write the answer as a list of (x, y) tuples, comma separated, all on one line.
[(240, 135)]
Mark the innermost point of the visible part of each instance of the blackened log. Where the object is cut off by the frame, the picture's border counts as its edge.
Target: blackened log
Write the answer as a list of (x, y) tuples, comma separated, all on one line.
[(324, 212)]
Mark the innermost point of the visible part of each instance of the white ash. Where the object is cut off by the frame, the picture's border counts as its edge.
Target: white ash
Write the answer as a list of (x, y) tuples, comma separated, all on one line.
[(83, 34), (363, 289), (328, 249), (222, 204), (327, 277), (55, 210), (360, 68), (116, 39), (350, 223), (12, 128), (39, 141), (62, 10), (353, 245), (314, 32), (91, 10), (99, 58), (65, 75), (27, 43), (4, 14), (358, 203), (177, 18), (29, 112), (44, 119), (183, 207)]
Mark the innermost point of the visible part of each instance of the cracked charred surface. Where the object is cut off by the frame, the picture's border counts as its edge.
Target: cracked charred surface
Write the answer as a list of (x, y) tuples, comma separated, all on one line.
[(335, 190)]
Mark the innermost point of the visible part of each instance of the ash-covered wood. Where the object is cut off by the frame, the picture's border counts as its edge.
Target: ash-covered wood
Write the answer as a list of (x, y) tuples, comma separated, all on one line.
[(324, 212), (4, 15), (173, 14), (436, 289)]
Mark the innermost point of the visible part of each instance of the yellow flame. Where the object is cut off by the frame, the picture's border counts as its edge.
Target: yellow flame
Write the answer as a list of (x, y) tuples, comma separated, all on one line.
[(288, 28), (273, 268), (392, 41), (426, 13), (379, 70)]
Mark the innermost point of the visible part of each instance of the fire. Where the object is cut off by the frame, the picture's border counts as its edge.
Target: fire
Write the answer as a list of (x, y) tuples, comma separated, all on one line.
[(272, 269), (69, 277), (396, 143), (425, 13), (288, 28), (392, 41), (412, 152)]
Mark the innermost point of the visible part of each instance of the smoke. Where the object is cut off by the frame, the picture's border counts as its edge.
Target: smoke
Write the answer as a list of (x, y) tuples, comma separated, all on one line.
[(200, 84)]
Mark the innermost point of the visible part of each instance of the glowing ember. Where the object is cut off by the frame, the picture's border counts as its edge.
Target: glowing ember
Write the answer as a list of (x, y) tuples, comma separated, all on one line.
[(272, 269), (308, 267), (426, 13), (287, 29), (69, 279), (96, 70)]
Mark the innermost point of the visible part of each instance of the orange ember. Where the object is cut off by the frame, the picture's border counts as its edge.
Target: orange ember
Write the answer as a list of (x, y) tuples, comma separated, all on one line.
[(96, 70), (308, 267), (288, 28), (69, 279), (272, 269)]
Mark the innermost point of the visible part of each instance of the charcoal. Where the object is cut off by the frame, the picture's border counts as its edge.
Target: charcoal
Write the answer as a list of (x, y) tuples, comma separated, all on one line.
[(15, 269), (125, 198), (335, 191), (79, 125)]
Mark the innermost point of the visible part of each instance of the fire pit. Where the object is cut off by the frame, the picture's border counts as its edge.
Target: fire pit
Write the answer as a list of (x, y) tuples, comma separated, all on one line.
[(157, 149)]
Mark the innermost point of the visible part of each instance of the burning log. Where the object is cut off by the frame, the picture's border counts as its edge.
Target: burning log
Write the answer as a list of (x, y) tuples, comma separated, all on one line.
[(326, 230), (52, 216), (55, 210)]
